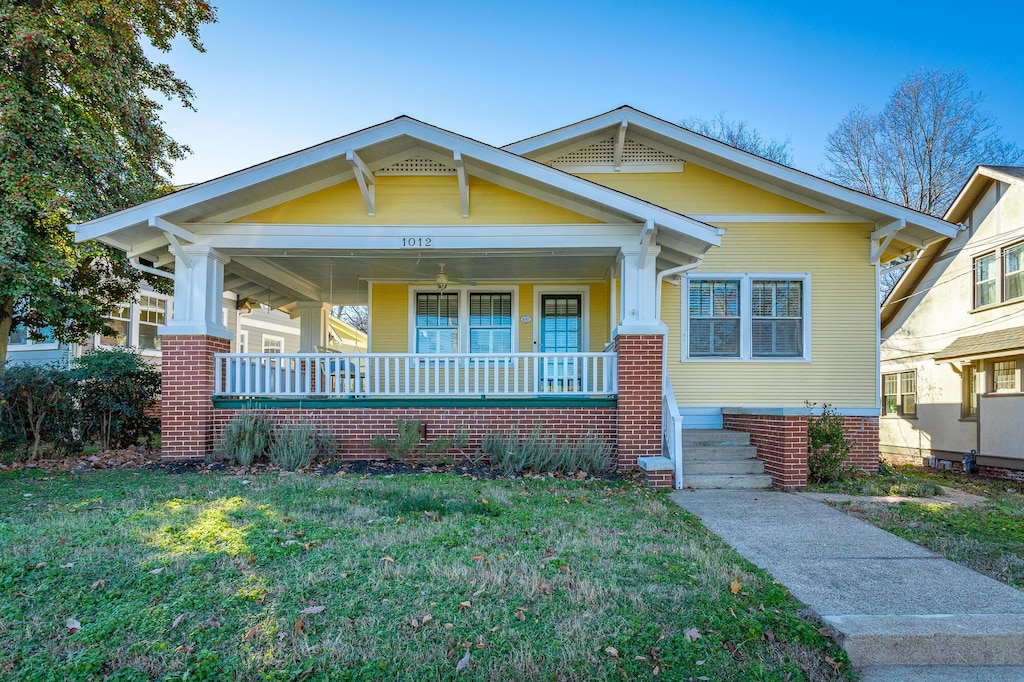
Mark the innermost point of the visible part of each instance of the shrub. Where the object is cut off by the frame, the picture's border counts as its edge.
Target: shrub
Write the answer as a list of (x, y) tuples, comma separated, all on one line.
[(114, 389), (296, 445), (36, 405), (246, 438), (827, 447), (542, 453)]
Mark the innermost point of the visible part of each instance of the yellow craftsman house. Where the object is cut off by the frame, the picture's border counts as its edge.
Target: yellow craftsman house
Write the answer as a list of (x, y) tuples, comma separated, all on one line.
[(621, 275)]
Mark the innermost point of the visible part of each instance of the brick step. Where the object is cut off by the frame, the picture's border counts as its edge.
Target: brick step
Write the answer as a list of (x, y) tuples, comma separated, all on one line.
[(722, 467), (702, 437)]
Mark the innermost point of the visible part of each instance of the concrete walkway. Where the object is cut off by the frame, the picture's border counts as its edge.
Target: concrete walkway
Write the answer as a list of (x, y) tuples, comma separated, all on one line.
[(901, 611)]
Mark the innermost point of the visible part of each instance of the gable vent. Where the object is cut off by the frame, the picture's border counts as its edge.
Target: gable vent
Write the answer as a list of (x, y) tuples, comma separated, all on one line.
[(417, 165), (599, 157)]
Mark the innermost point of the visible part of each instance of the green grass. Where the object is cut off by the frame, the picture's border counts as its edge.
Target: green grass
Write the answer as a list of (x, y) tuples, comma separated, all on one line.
[(988, 537), (204, 577), (888, 482)]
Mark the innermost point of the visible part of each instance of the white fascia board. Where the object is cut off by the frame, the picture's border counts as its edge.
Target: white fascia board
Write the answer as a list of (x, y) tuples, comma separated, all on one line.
[(723, 151), (630, 206)]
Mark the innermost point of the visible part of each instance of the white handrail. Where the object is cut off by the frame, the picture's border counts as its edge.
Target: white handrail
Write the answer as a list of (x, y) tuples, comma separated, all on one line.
[(414, 374), (672, 427)]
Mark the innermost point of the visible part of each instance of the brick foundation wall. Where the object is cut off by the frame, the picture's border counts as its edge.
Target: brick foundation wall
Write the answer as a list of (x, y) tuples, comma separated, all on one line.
[(186, 411), (354, 427), (781, 442), (658, 479), (639, 401)]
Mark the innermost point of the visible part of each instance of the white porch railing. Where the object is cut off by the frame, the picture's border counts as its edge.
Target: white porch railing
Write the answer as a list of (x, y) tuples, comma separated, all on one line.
[(414, 375), (672, 428)]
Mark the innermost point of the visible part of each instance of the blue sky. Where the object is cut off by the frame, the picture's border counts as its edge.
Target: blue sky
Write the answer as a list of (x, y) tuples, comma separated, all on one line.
[(279, 76)]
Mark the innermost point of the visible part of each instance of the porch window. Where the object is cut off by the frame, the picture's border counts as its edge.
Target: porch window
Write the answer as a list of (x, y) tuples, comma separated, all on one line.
[(714, 318), (273, 344), (1013, 271), (1005, 376), (437, 323), (985, 273), (490, 323), (899, 394), (119, 321), (777, 318)]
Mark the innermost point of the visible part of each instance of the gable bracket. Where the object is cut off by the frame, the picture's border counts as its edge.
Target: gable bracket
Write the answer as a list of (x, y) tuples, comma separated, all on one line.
[(173, 234), (620, 143), (367, 182), (646, 235), (882, 237), (460, 169)]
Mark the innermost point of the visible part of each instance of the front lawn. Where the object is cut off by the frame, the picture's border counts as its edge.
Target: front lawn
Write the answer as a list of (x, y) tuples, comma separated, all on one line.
[(987, 537), (133, 575)]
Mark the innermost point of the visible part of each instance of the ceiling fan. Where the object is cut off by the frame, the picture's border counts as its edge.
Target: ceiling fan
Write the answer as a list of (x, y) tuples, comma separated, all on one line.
[(443, 280)]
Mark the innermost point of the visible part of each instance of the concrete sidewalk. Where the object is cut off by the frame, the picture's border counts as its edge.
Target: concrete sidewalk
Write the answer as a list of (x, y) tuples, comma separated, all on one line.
[(892, 602)]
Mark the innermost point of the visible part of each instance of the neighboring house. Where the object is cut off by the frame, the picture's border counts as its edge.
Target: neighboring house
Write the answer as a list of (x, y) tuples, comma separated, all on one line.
[(953, 337), (621, 275)]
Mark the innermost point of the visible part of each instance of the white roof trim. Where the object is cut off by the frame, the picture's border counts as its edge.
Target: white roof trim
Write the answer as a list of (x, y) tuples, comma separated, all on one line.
[(470, 149), (811, 183)]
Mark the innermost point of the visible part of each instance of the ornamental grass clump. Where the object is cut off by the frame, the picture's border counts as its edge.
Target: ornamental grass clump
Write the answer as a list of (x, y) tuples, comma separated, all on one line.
[(539, 453), (296, 445), (246, 438)]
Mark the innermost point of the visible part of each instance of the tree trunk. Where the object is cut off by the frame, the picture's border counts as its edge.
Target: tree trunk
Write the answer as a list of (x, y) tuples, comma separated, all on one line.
[(6, 311)]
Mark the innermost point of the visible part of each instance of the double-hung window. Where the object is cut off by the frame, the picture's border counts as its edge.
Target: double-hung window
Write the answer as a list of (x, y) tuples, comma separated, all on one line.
[(120, 321), (985, 279), (1005, 376), (899, 393), (136, 324), (1013, 271), (748, 317), (463, 322)]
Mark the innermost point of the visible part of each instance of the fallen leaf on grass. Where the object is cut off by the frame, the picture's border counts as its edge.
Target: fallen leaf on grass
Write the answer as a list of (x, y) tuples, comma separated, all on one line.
[(389, 560), (413, 623), (836, 665), (565, 569), (185, 648), (73, 626), (611, 651), (427, 618), (477, 557), (770, 636), (692, 634), (177, 621), (253, 631), (157, 571), (463, 605), (657, 669), (545, 587), (99, 583), (463, 662), (312, 610), (735, 586), (68, 565)]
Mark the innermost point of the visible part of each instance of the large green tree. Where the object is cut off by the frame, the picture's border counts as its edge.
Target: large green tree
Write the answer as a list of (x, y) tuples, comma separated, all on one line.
[(80, 137)]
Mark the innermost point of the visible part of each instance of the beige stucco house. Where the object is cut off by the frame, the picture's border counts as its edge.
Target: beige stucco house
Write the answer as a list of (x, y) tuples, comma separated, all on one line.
[(953, 337)]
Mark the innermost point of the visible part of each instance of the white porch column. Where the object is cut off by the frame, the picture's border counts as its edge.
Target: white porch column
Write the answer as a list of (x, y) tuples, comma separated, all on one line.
[(312, 325), (638, 286), (198, 294)]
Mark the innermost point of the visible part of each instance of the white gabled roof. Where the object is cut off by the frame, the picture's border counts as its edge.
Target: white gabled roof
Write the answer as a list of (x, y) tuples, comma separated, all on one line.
[(380, 145), (718, 156)]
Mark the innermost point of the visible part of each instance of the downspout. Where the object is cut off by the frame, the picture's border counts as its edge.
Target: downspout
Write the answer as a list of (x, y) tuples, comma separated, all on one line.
[(677, 465)]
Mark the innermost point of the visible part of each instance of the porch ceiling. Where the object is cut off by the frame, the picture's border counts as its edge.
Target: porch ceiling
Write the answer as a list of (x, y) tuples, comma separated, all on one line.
[(341, 277)]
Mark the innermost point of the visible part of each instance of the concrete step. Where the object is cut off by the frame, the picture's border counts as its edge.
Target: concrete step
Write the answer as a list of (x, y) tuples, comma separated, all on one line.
[(741, 482), (730, 467), (710, 452), (714, 437), (941, 673), (932, 639)]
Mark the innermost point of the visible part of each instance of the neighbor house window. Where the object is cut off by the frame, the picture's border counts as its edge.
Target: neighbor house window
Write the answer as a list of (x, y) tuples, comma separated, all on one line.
[(1005, 376), (242, 342), (1013, 271), (437, 323), (899, 393), (985, 277), (970, 381), (19, 336), (152, 314), (273, 344), (747, 317), (120, 321), (714, 318), (490, 323)]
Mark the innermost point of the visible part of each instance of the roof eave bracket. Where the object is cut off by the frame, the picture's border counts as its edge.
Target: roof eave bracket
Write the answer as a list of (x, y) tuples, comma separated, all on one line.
[(367, 181), (882, 237), (460, 169), (620, 143)]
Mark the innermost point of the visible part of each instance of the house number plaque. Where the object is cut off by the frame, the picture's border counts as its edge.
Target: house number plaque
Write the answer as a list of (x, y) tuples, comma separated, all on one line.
[(417, 242)]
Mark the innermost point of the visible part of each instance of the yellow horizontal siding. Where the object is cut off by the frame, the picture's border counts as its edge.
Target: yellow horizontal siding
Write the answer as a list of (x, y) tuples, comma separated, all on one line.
[(416, 200), (389, 314), (843, 318), (698, 190)]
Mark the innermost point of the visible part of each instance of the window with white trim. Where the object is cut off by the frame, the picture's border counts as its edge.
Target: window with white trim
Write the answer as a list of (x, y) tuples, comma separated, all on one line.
[(463, 321), (899, 394), (242, 341), (747, 317), (273, 344), (1005, 376), (120, 321), (970, 388), (19, 336), (152, 314)]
